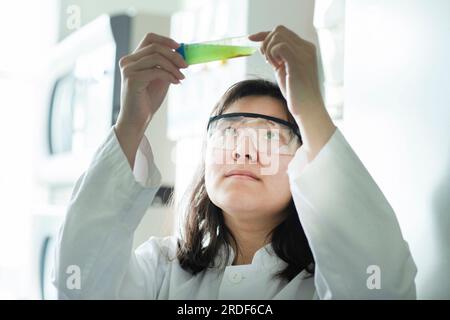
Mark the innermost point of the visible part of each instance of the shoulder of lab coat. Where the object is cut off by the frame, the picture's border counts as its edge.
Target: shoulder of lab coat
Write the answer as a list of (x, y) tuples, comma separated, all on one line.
[(352, 230), (107, 204)]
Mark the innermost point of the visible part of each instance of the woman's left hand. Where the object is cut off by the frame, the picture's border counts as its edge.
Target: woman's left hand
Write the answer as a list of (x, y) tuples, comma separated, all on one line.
[(295, 65)]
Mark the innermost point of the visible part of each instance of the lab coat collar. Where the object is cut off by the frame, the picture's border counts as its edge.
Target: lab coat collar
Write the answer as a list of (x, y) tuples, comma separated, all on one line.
[(264, 258)]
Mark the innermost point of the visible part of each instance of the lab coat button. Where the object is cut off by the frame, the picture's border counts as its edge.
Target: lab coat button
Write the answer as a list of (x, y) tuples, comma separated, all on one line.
[(235, 277)]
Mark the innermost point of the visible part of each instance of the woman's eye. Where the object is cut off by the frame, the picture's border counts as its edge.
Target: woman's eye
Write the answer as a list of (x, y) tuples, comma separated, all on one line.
[(230, 131), (272, 135)]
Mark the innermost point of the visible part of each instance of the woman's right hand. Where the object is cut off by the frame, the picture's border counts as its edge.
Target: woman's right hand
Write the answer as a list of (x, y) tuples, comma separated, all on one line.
[(146, 76)]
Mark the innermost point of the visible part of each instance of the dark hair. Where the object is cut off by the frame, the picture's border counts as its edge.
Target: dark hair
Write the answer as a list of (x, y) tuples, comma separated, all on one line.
[(205, 233)]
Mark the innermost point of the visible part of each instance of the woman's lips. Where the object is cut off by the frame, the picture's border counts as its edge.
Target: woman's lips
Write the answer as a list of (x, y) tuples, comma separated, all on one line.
[(242, 176)]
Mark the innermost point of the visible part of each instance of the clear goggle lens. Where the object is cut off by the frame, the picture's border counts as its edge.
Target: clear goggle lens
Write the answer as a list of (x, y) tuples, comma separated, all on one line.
[(265, 135)]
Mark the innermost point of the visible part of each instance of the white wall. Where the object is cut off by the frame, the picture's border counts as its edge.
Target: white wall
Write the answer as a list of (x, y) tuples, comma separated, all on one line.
[(22, 31), (397, 117)]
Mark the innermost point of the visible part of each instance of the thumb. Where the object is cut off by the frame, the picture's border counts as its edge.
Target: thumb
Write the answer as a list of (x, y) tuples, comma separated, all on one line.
[(260, 36)]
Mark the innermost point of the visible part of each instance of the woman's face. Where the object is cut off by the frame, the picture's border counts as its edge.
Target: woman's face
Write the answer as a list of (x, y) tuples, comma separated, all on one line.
[(268, 192)]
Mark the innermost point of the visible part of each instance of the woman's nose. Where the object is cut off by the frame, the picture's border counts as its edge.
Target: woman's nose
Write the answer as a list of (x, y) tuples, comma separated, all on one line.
[(245, 150)]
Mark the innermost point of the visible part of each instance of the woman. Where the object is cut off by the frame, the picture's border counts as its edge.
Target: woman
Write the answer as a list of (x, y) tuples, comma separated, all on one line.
[(282, 208)]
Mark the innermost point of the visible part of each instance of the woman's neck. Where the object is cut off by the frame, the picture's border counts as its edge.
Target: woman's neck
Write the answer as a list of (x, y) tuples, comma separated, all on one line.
[(248, 245), (250, 236)]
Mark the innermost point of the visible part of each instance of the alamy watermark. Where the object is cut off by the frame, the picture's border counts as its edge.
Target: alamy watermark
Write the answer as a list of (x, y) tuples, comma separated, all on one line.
[(73, 20), (374, 279), (73, 281)]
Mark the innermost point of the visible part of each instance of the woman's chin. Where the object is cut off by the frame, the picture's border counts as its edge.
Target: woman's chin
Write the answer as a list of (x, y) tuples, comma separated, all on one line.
[(241, 191), (240, 198), (242, 183)]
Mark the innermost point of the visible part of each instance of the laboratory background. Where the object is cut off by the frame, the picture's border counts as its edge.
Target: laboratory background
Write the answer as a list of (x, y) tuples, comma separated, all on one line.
[(384, 74)]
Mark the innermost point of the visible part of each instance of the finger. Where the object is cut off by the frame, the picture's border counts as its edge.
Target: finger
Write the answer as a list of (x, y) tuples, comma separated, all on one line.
[(155, 74), (278, 30), (157, 60), (280, 52), (156, 38), (171, 55), (260, 36), (265, 42), (275, 40)]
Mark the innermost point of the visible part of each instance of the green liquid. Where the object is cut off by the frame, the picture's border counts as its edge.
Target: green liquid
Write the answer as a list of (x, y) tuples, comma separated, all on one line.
[(200, 53)]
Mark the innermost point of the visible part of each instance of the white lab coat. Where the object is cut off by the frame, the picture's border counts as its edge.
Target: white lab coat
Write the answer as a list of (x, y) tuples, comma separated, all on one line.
[(347, 220)]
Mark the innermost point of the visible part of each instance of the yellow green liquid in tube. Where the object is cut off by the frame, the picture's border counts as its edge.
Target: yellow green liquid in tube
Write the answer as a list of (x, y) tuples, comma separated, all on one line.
[(225, 49)]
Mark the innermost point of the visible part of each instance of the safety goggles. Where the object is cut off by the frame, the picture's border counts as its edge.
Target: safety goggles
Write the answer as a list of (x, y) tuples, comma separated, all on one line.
[(268, 134)]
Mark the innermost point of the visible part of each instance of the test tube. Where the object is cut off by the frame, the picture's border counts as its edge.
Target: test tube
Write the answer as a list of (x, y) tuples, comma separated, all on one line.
[(223, 49)]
